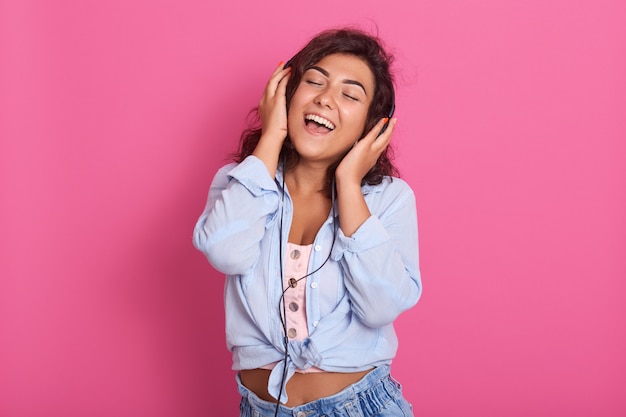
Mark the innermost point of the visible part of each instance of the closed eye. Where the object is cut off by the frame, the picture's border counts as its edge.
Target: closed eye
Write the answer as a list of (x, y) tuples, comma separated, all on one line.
[(311, 82), (348, 96)]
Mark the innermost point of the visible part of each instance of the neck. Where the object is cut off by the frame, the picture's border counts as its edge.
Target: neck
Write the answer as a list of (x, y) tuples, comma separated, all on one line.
[(306, 179)]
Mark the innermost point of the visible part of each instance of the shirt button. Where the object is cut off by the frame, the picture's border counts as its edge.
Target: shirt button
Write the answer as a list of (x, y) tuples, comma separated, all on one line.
[(315, 323), (293, 283), (314, 285), (295, 254), (293, 306), (292, 333), (318, 248)]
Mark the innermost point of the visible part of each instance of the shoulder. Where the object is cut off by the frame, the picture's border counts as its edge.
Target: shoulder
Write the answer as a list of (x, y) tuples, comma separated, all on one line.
[(391, 195), (221, 175), (390, 188), (251, 173), (249, 167), (227, 167)]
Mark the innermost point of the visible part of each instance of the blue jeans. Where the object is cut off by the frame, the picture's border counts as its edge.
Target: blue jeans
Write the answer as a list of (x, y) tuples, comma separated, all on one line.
[(377, 394)]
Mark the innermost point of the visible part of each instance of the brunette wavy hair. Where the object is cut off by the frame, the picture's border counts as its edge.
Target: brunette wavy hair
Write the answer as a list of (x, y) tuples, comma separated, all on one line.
[(347, 41)]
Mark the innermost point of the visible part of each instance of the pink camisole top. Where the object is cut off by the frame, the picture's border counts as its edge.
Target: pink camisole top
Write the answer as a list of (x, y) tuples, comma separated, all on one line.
[(296, 265)]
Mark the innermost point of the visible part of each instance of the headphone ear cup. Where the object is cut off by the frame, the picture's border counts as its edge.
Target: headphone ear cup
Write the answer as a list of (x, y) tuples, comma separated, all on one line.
[(389, 116), (392, 110)]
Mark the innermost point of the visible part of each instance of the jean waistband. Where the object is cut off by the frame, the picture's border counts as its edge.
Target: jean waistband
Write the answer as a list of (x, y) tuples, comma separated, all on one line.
[(370, 394)]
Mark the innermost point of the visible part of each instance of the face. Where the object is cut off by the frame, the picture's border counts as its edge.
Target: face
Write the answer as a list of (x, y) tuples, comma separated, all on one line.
[(328, 110)]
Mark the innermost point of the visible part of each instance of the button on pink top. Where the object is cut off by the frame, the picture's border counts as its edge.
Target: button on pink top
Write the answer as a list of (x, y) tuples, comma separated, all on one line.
[(296, 265)]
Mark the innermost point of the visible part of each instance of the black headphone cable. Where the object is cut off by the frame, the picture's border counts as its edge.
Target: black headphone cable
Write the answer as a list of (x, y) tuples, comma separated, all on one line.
[(282, 309)]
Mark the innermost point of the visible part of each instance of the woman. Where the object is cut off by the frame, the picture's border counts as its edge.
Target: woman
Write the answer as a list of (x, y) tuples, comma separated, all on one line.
[(317, 238)]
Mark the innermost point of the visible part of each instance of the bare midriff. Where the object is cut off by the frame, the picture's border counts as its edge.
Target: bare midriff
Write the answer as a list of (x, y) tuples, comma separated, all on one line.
[(301, 388)]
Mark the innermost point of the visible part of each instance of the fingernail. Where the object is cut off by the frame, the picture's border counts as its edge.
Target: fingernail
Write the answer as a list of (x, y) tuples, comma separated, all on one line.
[(385, 120), (280, 64)]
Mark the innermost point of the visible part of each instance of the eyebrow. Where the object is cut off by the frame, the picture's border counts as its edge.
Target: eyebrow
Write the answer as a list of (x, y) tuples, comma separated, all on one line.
[(346, 81)]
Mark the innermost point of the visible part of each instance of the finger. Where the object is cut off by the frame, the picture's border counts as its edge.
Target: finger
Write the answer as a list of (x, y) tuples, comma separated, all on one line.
[(281, 89), (379, 141), (385, 137), (277, 76), (387, 129), (375, 133)]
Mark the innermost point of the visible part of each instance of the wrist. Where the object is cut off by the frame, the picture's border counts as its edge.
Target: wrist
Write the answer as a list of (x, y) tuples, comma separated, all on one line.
[(347, 182), (348, 187)]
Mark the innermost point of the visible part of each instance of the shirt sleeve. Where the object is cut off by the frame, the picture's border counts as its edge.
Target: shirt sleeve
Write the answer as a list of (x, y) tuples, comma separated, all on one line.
[(381, 259), (243, 201)]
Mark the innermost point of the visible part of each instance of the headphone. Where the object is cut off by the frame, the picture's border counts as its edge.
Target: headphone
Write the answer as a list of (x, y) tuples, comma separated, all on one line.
[(281, 304)]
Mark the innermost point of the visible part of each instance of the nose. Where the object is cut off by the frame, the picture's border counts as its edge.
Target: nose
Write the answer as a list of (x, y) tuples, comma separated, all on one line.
[(325, 99)]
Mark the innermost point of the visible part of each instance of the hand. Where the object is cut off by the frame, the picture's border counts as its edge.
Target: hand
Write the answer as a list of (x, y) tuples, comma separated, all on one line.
[(273, 106), (273, 113), (364, 154)]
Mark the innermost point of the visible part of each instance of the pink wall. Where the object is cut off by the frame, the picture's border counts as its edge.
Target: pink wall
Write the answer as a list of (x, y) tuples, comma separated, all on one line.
[(114, 115)]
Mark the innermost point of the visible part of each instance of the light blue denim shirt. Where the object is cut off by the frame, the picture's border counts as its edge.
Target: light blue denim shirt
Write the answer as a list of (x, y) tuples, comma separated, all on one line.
[(351, 302)]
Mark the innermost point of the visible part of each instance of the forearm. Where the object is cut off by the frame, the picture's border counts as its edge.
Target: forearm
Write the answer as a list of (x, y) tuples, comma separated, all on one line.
[(380, 259), (241, 203), (381, 283), (268, 151), (353, 210)]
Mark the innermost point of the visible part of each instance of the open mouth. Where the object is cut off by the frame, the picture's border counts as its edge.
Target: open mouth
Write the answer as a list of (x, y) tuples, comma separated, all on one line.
[(318, 124)]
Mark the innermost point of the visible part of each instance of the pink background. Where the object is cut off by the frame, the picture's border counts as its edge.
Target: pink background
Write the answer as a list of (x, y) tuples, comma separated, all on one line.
[(114, 115)]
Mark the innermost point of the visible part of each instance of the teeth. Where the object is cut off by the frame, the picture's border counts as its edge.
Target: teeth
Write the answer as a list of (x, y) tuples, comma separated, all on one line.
[(320, 120)]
